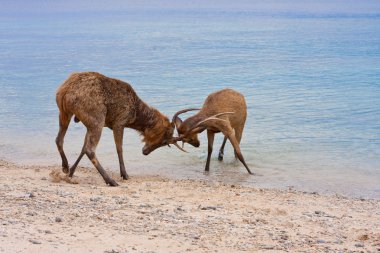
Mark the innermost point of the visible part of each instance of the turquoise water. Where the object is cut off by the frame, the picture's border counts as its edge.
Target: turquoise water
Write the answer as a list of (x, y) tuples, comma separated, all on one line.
[(311, 81)]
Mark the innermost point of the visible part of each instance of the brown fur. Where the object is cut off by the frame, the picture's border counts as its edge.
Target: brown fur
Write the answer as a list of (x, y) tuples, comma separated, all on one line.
[(226, 100), (99, 101)]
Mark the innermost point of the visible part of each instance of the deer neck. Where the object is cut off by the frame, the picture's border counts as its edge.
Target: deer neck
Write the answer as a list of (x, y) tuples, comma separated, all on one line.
[(146, 117)]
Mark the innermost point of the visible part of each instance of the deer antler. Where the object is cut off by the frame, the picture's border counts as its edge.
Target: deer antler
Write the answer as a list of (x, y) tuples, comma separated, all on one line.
[(182, 111), (213, 117), (197, 127), (175, 144)]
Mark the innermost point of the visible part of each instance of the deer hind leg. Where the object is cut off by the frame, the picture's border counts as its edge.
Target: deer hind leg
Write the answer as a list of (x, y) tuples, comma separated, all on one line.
[(64, 121), (210, 138), (231, 137), (221, 151), (90, 148), (118, 136)]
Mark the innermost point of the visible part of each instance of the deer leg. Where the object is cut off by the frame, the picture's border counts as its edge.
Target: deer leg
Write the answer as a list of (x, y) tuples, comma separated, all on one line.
[(238, 135), (210, 138), (118, 136), (92, 142), (231, 137), (64, 121), (74, 166), (72, 169), (221, 151)]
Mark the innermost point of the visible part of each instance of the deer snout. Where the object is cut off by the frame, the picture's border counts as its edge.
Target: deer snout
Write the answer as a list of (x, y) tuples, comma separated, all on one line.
[(193, 140), (195, 143), (146, 150)]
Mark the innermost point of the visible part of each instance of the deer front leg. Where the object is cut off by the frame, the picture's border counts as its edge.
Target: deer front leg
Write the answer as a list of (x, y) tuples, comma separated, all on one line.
[(221, 151), (231, 137), (72, 169), (210, 138), (118, 136)]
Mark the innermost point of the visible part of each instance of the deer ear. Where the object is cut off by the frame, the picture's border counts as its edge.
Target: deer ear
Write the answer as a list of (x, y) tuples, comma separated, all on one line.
[(178, 122)]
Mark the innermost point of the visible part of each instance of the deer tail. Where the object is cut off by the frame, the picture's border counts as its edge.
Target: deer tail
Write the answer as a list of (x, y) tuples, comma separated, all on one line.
[(64, 115)]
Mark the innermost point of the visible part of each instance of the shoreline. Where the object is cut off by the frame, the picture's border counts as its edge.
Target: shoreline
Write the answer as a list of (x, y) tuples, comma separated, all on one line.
[(211, 178), (42, 211)]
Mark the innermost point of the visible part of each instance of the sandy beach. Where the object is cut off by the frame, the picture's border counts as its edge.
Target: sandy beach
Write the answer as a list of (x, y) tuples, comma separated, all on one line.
[(42, 211)]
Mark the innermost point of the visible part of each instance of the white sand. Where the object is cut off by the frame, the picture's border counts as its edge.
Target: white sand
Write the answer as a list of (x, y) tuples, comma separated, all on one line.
[(42, 213)]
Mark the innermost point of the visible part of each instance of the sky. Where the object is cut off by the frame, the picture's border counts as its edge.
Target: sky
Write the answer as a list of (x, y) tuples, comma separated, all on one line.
[(314, 6)]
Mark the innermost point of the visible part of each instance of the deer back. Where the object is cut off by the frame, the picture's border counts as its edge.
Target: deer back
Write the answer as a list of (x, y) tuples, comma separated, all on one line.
[(94, 98), (226, 100)]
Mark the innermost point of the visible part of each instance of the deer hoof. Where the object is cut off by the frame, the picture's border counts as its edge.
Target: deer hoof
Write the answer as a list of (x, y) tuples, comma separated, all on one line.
[(220, 157), (112, 183), (125, 177), (65, 169)]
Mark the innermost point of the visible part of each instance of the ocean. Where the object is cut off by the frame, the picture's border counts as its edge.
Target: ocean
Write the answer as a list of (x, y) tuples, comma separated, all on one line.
[(311, 82)]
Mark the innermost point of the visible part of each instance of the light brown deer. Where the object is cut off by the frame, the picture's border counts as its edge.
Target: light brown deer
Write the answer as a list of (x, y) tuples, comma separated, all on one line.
[(223, 111), (99, 101)]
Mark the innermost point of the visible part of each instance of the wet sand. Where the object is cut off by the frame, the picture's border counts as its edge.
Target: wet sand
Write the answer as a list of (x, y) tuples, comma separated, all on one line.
[(42, 211)]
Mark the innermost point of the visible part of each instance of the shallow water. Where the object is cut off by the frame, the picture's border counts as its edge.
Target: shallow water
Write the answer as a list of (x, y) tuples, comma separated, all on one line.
[(311, 81)]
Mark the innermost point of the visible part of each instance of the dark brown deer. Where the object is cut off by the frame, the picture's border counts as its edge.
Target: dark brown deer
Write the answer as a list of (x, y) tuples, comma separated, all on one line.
[(99, 101), (223, 111)]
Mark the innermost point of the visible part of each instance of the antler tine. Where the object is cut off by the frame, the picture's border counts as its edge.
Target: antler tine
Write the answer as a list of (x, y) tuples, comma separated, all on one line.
[(183, 111), (175, 144), (208, 119), (179, 138), (214, 117), (222, 113)]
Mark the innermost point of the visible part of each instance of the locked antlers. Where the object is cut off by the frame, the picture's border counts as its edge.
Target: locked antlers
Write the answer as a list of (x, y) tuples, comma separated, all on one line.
[(197, 127)]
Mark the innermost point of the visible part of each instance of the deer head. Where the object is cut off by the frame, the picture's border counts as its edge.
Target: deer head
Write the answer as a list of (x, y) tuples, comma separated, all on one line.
[(188, 130), (185, 133), (160, 135)]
